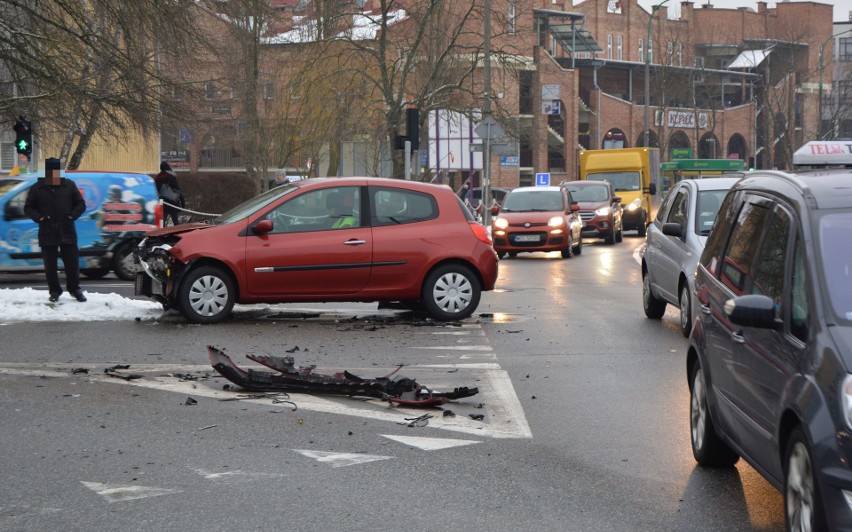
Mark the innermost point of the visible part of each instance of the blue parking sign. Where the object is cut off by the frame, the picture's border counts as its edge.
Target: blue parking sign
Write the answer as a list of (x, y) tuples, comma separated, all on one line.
[(542, 180)]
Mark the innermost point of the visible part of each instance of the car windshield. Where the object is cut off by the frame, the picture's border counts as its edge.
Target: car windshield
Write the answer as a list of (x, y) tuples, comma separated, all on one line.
[(256, 203), (619, 180), (539, 200), (709, 202), (837, 262), (589, 193)]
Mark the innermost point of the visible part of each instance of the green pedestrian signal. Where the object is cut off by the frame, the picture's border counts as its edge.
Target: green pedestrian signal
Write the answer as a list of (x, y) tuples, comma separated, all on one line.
[(24, 136)]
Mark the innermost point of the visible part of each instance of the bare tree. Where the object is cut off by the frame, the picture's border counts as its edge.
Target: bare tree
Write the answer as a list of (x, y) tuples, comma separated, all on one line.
[(86, 68)]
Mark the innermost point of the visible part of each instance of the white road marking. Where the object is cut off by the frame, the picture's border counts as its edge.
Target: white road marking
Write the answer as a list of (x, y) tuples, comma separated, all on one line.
[(504, 415), (454, 347), (430, 444), (125, 492), (210, 475), (341, 459)]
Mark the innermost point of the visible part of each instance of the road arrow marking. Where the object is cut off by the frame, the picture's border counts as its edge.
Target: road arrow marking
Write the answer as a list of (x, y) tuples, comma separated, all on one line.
[(211, 475), (341, 459), (125, 492), (430, 444)]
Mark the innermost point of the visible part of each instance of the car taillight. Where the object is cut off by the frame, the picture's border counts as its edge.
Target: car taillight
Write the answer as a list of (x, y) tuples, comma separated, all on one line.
[(481, 232)]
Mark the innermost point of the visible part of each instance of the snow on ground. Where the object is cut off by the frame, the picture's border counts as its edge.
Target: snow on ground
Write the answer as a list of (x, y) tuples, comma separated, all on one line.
[(30, 305)]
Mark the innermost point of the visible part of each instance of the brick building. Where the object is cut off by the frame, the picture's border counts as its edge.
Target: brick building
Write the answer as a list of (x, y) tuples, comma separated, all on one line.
[(723, 83)]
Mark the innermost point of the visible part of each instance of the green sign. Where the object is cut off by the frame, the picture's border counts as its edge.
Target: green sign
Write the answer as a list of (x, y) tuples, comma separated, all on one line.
[(681, 153)]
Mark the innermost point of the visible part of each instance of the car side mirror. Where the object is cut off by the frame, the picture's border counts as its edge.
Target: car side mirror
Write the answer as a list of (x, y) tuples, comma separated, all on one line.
[(653, 189), (616, 199), (673, 229), (262, 227), (753, 310)]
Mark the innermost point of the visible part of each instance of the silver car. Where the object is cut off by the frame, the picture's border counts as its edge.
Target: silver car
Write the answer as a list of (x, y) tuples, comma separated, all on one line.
[(674, 244)]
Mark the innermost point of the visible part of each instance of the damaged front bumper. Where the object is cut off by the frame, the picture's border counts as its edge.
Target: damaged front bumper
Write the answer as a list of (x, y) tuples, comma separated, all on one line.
[(392, 388), (159, 275)]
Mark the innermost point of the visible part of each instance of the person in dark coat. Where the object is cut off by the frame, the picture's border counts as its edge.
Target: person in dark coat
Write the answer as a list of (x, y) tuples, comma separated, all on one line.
[(55, 203), (169, 191)]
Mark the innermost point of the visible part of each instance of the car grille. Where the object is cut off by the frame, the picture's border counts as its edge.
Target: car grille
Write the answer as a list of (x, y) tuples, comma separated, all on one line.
[(586, 215)]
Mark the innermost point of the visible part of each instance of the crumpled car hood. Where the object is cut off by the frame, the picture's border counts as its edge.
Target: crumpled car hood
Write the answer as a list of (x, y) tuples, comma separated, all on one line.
[(178, 229)]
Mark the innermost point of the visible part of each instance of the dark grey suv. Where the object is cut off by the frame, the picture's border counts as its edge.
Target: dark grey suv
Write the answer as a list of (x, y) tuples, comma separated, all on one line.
[(770, 355)]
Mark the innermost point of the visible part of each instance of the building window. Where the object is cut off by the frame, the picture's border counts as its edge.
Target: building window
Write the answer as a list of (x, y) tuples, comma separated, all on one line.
[(670, 52), (268, 90), (698, 62), (680, 54), (620, 47), (553, 46), (609, 46), (642, 50), (209, 91), (512, 17), (844, 49)]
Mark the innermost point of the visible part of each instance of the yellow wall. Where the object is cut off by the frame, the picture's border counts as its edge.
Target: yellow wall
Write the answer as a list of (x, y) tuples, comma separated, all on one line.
[(137, 154)]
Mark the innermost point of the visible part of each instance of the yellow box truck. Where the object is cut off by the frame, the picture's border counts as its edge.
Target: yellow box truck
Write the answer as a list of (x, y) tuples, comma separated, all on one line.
[(634, 174)]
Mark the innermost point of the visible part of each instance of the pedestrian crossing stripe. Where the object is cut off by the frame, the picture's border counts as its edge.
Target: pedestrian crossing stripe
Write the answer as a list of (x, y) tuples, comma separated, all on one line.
[(430, 444)]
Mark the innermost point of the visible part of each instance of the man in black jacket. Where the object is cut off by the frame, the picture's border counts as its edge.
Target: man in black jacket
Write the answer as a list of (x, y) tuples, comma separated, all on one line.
[(55, 203)]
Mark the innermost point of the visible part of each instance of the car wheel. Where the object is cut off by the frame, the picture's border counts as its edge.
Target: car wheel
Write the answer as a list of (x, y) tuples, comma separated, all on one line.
[(802, 502), (124, 264), (654, 308), (206, 295), (95, 273), (610, 238), (642, 230), (620, 235), (501, 254), (685, 310), (578, 249), (513, 254), (708, 449), (568, 251), (451, 292)]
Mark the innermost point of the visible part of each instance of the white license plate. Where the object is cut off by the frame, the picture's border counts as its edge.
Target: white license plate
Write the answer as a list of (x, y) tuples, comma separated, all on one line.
[(527, 238)]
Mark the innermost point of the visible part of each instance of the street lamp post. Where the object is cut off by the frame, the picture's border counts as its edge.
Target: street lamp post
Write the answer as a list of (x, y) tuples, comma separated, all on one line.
[(821, 47), (648, 69)]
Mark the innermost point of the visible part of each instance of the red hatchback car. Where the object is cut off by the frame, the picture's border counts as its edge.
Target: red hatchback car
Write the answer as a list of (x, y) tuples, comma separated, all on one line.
[(324, 240), (538, 219)]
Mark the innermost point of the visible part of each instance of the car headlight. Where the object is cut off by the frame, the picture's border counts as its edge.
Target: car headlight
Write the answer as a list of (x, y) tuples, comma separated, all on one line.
[(846, 395), (603, 211), (635, 204), (556, 221), (501, 223)]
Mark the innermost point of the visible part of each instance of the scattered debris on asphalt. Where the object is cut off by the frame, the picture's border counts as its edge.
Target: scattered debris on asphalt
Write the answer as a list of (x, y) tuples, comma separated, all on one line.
[(77, 371), (113, 371), (208, 427), (190, 401), (391, 387), (477, 417), (420, 421)]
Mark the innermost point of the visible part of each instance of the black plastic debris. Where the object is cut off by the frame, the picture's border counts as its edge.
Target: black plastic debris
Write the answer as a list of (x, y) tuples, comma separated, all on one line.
[(420, 421), (477, 417), (393, 388), (190, 401), (77, 371), (113, 372), (449, 413)]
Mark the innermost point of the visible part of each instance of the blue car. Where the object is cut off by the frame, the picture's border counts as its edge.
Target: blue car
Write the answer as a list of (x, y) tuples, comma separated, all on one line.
[(120, 208)]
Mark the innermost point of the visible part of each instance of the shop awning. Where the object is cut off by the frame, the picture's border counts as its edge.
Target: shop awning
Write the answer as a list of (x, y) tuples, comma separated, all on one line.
[(575, 39)]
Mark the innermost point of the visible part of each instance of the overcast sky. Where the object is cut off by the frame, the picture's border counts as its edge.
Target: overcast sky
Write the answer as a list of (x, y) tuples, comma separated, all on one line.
[(841, 7)]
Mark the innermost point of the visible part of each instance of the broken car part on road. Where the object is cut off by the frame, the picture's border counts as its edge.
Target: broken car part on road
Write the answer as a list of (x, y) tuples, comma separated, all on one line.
[(392, 388)]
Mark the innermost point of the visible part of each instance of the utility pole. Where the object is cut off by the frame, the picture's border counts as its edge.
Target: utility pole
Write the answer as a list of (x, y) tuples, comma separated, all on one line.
[(486, 112)]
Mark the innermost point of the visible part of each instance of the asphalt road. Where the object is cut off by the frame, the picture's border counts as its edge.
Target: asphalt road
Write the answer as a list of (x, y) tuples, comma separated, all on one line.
[(584, 407)]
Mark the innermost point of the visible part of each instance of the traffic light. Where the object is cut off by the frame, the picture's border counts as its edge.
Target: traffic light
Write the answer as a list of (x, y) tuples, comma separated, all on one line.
[(24, 137)]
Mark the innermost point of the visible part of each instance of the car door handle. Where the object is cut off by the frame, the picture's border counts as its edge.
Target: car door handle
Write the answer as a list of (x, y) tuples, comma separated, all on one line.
[(705, 309), (354, 242), (737, 336)]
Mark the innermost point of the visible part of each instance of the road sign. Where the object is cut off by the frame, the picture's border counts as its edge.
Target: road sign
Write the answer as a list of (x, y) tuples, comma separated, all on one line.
[(542, 179), (489, 129), (474, 146)]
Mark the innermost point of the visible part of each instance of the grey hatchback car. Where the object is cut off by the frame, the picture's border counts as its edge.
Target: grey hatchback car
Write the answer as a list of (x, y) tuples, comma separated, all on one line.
[(769, 363), (674, 242)]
